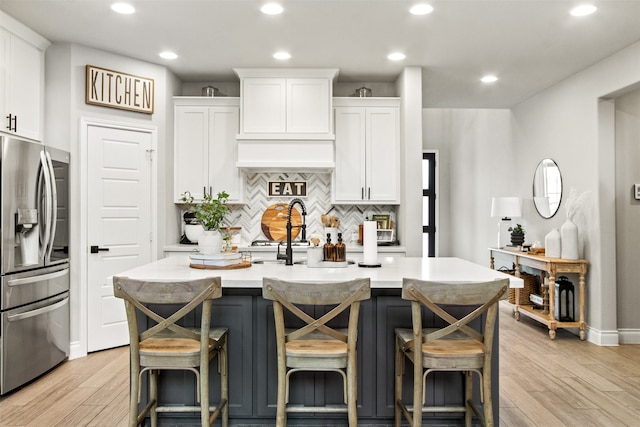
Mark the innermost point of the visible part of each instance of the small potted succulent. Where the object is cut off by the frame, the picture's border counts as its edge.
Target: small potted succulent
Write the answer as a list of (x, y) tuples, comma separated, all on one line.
[(517, 235), (210, 213)]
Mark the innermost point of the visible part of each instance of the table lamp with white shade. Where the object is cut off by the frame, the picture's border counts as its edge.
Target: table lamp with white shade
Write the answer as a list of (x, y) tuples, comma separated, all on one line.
[(505, 208)]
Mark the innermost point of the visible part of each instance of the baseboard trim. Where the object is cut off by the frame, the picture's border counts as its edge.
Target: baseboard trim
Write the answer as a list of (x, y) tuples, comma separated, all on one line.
[(629, 336), (603, 338), (76, 351)]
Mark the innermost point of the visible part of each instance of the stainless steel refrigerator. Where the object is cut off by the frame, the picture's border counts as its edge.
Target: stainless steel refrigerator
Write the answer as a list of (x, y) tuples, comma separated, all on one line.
[(34, 298)]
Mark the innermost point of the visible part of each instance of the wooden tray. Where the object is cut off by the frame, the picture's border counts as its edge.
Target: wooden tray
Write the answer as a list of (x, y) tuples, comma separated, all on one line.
[(243, 264)]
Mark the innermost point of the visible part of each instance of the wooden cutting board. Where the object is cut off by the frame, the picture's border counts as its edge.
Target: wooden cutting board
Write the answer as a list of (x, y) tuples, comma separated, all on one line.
[(241, 264), (274, 222)]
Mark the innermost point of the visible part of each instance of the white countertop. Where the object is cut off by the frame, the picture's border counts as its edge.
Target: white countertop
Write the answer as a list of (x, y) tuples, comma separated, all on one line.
[(388, 276), (356, 249)]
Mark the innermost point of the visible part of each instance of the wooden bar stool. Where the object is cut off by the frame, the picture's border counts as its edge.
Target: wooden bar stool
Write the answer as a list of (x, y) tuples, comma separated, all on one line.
[(316, 346), (169, 346), (454, 347)]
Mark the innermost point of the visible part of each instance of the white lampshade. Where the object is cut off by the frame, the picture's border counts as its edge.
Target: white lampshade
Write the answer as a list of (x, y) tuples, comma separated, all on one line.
[(506, 207)]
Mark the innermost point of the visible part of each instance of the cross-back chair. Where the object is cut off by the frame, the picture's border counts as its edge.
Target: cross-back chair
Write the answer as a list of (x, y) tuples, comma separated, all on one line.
[(168, 346), (454, 347), (316, 346)]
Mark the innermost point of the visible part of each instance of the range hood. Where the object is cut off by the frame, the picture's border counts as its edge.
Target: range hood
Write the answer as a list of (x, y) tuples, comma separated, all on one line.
[(274, 155), (286, 119)]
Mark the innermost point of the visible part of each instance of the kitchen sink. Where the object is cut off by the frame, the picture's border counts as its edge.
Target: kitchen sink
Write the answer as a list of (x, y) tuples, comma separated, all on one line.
[(276, 261), (267, 261), (295, 262)]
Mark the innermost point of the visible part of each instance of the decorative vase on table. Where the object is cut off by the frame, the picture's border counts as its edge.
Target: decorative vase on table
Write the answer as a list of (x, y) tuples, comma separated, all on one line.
[(210, 242), (569, 239), (552, 244)]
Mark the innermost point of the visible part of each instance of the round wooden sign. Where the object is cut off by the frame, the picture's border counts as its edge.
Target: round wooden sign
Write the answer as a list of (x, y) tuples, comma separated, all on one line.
[(274, 222)]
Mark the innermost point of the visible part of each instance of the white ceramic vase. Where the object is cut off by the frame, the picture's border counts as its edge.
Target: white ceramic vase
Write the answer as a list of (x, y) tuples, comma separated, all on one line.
[(569, 239), (552, 244), (210, 242), (315, 255)]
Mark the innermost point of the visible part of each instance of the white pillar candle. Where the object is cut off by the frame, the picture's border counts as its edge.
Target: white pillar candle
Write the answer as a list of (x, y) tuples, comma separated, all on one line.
[(370, 243)]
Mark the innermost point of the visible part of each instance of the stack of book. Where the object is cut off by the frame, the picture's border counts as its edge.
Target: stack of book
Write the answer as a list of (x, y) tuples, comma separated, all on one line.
[(217, 260)]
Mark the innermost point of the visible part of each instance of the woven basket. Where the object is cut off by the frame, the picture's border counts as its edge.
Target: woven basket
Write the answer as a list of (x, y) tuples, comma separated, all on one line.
[(530, 287)]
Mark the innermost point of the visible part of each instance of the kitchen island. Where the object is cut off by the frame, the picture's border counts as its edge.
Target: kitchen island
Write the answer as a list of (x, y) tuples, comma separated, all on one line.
[(252, 350)]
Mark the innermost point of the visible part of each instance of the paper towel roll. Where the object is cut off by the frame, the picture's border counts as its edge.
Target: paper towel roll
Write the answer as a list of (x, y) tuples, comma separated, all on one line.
[(370, 243)]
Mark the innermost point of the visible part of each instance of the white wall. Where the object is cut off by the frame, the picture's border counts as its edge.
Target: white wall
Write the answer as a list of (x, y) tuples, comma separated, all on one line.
[(493, 152), (409, 88), (476, 163), (64, 107), (627, 128), (571, 124)]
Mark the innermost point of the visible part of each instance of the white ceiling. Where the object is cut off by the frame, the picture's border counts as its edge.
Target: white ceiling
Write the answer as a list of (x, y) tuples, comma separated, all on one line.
[(528, 44)]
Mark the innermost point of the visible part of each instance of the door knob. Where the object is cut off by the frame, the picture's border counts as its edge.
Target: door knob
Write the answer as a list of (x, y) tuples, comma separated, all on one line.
[(96, 249)]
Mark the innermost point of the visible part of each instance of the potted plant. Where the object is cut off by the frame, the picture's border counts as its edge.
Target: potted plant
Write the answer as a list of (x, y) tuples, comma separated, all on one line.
[(210, 214), (517, 235)]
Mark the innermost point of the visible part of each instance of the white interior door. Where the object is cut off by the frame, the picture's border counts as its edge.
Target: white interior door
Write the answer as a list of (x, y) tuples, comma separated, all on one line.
[(119, 224)]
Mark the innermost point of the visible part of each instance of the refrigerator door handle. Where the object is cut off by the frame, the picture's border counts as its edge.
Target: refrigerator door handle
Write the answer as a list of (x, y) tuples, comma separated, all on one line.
[(46, 235), (54, 207), (32, 279), (38, 311)]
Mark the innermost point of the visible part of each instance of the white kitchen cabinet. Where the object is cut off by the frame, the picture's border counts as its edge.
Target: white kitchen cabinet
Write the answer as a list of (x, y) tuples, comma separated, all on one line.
[(287, 104), (205, 148), (21, 79), (367, 151)]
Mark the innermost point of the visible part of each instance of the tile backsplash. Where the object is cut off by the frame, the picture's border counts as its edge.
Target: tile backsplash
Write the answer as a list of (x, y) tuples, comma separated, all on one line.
[(317, 202)]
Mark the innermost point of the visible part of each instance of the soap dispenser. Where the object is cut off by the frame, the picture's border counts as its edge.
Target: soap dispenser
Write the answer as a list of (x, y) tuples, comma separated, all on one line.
[(329, 249), (341, 250)]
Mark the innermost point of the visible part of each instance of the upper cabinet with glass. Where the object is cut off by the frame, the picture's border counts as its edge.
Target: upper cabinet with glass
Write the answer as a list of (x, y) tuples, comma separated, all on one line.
[(547, 188)]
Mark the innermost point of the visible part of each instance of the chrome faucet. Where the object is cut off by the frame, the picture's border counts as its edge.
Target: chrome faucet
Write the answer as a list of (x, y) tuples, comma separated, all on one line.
[(289, 251)]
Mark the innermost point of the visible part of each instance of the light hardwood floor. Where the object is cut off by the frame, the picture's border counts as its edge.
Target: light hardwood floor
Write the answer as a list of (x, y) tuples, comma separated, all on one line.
[(564, 382)]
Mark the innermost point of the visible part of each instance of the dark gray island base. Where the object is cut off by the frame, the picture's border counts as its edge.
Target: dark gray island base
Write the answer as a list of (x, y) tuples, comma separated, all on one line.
[(253, 371)]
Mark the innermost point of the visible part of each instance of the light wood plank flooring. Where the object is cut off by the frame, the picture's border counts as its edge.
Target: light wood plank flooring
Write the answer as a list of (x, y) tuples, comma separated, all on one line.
[(564, 382)]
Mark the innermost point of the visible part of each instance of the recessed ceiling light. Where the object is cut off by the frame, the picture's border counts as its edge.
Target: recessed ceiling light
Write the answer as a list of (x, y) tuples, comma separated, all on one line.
[(168, 55), (490, 78), (123, 8), (272, 9), (281, 55), (421, 9), (396, 56), (583, 10)]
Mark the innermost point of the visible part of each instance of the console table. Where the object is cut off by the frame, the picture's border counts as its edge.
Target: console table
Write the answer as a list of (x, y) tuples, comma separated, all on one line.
[(552, 266)]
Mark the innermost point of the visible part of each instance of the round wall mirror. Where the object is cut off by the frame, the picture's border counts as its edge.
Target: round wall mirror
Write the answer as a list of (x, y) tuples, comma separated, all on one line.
[(547, 188)]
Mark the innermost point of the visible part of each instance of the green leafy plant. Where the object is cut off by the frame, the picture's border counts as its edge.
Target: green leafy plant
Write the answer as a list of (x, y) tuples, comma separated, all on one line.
[(211, 211), (518, 229)]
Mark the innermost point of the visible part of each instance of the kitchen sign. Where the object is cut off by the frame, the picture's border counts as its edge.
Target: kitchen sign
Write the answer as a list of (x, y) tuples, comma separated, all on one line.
[(114, 89), (288, 188)]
